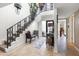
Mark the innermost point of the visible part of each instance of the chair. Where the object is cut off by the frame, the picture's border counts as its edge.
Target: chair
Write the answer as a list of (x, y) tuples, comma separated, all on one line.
[(28, 36)]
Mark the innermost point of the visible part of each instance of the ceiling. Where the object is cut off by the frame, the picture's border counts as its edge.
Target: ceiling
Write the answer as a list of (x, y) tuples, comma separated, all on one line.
[(4, 4), (66, 9)]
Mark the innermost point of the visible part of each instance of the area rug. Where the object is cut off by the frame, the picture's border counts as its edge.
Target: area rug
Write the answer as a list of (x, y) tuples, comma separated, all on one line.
[(39, 42)]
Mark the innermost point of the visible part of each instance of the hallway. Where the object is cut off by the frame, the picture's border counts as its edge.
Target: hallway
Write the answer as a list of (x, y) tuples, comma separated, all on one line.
[(33, 50)]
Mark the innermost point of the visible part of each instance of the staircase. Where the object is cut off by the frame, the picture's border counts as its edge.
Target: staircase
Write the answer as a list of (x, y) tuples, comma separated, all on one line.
[(14, 31)]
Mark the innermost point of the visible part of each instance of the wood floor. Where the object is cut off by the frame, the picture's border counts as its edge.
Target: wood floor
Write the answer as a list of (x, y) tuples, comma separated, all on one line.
[(30, 50), (71, 51)]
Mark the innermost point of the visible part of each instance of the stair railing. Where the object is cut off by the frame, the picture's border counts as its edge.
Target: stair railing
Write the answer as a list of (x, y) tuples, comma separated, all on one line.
[(14, 31)]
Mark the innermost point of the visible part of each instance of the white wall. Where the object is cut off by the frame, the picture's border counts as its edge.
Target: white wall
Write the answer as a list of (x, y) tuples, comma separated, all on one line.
[(8, 17), (33, 26), (44, 26)]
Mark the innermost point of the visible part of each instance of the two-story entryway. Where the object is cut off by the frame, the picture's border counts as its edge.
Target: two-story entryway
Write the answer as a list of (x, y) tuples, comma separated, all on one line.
[(39, 29)]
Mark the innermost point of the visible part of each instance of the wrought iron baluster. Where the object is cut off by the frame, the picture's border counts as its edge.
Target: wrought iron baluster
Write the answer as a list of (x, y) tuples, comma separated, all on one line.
[(25, 23), (51, 6), (11, 35), (7, 37)]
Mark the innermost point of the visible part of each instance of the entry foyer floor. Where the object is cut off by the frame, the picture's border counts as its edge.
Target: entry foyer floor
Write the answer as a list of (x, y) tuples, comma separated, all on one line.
[(36, 49)]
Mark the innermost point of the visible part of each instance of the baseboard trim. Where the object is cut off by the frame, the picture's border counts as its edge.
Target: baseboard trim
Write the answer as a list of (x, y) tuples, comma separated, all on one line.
[(76, 48)]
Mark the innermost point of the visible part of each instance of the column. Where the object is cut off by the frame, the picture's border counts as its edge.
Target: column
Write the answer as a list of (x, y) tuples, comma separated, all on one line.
[(40, 28), (55, 31)]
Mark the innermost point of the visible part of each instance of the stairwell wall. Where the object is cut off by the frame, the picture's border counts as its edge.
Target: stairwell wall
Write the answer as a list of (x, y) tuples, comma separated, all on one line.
[(9, 17)]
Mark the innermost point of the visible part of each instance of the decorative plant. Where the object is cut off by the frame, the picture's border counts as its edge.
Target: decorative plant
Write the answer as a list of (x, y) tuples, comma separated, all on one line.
[(33, 9)]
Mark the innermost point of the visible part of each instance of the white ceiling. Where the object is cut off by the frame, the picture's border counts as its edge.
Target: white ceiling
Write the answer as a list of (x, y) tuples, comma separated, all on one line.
[(66, 9), (4, 4)]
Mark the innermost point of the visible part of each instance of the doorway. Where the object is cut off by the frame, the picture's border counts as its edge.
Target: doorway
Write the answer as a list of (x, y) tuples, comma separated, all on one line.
[(50, 32), (62, 35), (47, 32)]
